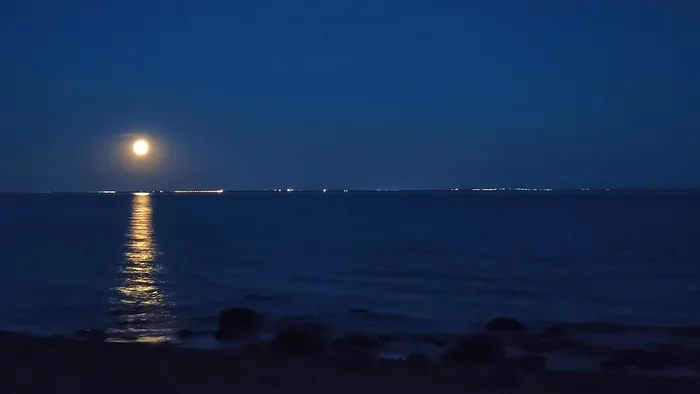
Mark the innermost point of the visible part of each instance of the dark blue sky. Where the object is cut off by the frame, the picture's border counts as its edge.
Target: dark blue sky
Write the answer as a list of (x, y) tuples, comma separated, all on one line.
[(350, 94)]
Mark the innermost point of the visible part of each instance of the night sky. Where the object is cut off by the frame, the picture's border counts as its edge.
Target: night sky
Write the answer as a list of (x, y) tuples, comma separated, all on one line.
[(349, 94)]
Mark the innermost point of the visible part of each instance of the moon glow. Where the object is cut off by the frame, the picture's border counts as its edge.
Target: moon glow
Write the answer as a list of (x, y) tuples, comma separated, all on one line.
[(141, 147)]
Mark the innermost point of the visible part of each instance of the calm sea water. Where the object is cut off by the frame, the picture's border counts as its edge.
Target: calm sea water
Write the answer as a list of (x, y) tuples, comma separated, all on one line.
[(435, 262)]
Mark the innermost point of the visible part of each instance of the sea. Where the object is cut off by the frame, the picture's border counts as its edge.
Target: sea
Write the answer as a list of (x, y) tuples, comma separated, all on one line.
[(418, 268)]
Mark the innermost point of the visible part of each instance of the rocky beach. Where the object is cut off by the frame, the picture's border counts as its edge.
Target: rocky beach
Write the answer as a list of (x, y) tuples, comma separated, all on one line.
[(306, 358), (62, 365)]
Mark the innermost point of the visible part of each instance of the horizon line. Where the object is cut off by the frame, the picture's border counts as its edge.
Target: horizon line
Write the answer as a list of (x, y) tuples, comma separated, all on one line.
[(291, 190)]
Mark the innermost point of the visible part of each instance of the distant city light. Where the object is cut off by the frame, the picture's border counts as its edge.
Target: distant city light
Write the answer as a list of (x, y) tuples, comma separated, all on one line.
[(517, 189), (291, 190), (198, 191)]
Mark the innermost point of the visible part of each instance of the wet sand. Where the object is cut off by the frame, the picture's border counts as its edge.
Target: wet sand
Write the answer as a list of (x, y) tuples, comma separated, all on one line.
[(30, 364)]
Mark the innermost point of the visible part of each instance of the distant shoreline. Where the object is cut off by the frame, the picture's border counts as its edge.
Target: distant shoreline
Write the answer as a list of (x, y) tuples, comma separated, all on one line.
[(368, 191)]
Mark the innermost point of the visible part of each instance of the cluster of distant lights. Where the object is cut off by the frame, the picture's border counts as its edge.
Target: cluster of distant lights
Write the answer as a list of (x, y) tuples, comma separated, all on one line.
[(198, 191), (163, 191), (290, 190), (518, 189)]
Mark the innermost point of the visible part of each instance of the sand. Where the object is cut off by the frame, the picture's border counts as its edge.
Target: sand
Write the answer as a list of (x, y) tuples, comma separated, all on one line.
[(30, 364)]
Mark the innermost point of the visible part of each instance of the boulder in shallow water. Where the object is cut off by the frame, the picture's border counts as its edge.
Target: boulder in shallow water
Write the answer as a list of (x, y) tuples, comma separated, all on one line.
[(436, 339), (554, 332), (563, 344), (298, 341), (92, 335), (528, 363), (542, 346), (647, 359), (476, 349), (186, 334), (293, 321), (303, 322), (358, 341), (505, 324), (237, 322)]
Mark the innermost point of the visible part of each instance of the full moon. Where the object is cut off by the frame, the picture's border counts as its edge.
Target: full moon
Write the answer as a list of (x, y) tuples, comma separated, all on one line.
[(141, 147)]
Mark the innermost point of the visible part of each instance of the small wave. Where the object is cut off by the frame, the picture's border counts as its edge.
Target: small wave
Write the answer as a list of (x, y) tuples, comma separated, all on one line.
[(205, 319), (368, 314), (540, 281), (265, 297), (544, 259), (140, 321), (515, 292), (136, 309), (415, 250), (606, 300), (396, 274), (674, 275)]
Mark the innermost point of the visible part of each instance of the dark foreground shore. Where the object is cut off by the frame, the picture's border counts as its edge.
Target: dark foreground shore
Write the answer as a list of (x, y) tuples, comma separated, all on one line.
[(30, 364)]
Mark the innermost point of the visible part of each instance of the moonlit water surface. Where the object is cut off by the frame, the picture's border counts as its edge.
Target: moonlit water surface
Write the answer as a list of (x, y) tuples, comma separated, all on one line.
[(144, 266), (139, 296)]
